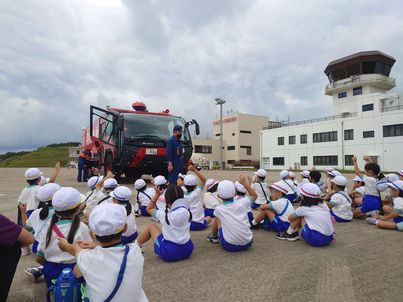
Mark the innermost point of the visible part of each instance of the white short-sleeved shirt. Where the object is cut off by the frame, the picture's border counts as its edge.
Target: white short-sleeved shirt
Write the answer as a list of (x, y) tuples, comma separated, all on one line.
[(93, 263), (370, 185), (398, 205), (177, 230), (303, 182), (261, 197), (145, 196), (210, 200), (131, 225), (317, 218), (196, 204), (39, 226), (28, 197), (234, 221), (92, 198), (279, 206), (161, 203), (341, 205), (291, 187), (52, 252)]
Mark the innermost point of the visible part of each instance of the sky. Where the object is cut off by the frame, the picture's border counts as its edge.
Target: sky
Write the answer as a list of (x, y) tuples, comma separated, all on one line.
[(263, 57)]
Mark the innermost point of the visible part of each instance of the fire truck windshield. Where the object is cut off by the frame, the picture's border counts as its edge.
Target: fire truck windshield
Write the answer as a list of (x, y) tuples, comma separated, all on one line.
[(152, 126)]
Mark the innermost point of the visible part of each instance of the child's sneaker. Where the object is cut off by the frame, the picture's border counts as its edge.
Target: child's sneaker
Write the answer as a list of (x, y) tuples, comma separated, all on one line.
[(371, 220), (136, 214), (34, 273), (285, 236), (213, 239)]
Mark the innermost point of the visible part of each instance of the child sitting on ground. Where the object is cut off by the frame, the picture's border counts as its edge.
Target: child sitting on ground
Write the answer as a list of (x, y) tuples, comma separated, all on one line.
[(144, 195), (112, 271), (240, 194), (313, 218), (210, 199), (260, 187), (172, 242), (231, 226), (275, 214), (340, 202)]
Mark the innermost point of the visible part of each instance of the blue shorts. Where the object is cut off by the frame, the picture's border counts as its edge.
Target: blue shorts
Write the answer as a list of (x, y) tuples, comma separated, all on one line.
[(276, 225), (232, 247), (209, 212), (35, 247), (292, 197), (255, 205), (315, 238), (143, 210), (370, 203), (398, 219), (52, 270), (250, 216), (170, 251), (337, 218), (129, 239), (197, 226)]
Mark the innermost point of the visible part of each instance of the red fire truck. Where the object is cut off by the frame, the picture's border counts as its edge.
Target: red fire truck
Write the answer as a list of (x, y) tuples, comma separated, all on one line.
[(133, 142)]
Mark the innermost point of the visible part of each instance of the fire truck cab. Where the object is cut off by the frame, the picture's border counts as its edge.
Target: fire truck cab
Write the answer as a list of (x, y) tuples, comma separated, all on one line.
[(133, 142)]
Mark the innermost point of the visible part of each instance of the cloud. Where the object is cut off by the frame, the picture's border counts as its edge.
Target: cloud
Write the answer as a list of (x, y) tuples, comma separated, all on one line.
[(263, 57)]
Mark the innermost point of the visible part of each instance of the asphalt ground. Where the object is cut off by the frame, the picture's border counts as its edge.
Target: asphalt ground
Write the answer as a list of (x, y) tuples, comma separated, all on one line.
[(364, 264)]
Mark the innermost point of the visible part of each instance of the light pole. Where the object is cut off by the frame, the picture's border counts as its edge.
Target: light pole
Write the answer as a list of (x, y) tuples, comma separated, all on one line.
[(220, 102)]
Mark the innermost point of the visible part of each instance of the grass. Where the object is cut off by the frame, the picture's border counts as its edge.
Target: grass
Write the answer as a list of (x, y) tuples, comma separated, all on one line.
[(42, 157)]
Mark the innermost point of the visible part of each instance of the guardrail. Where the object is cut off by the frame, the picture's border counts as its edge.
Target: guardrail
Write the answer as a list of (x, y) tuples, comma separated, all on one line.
[(392, 108)]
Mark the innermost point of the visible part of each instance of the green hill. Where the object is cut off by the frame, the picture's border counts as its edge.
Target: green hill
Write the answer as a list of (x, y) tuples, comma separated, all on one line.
[(42, 157)]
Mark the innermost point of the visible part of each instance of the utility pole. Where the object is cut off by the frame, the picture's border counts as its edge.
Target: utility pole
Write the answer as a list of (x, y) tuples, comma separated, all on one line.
[(220, 102)]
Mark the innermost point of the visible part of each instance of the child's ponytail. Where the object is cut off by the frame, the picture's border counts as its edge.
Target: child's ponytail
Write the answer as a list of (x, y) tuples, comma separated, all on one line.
[(166, 215), (50, 229), (73, 229), (128, 207), (44, 206)]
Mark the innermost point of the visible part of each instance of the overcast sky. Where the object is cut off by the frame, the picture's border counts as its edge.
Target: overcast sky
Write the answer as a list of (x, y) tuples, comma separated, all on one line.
[(262, 57)]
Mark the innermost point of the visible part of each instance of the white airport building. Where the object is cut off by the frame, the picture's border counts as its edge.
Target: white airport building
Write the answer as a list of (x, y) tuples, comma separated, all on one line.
[(366, 121)]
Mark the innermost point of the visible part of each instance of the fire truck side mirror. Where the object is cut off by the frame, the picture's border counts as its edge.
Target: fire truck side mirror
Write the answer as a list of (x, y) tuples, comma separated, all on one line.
[(197, 128)]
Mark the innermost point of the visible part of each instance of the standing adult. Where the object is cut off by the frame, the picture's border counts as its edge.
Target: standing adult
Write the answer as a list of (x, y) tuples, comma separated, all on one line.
[(175, 154), (83, 165), (12, 238)]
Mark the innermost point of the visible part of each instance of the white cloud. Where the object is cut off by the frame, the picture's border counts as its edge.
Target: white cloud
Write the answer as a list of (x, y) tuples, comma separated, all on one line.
[(264, 57)]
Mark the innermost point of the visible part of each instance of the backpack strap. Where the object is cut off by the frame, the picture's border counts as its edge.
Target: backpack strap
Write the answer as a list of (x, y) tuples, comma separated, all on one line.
[(57, 231), (92, 192), (148, 196), (342, 193), (285, 208), (289, 186), (103, 199), (264, 192), (120, 275)]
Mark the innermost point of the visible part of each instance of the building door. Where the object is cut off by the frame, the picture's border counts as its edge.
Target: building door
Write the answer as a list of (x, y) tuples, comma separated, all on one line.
[(266, 163)]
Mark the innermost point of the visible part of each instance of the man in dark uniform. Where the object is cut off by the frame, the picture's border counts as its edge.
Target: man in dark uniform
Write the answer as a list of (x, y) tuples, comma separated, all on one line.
[(175, 155), (83, 165)]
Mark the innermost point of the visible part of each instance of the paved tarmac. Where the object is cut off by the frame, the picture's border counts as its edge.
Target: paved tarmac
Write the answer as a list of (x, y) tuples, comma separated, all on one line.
[(364, 264)]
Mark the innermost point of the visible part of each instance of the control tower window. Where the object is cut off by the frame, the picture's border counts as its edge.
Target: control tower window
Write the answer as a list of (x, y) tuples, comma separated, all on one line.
[(368, 67), (353, 70), (342, 95), (357, 90), (339, 74)]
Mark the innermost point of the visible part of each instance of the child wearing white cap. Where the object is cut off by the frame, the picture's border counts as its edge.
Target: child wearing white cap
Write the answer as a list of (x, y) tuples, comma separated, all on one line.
[(194, 196), (260, 187), (401, 175), (315, 220), (112, 271), (275, 214), (39, 221), (231, 226), (340, 202), (143, 196), (27, 198), (65, 223), (371, 201), (172, 242), (109, 185), (305, 179), (291, 187), (160, 183), (122, 195), (210, 199), (181, 182), (241, 192), (394, 219)]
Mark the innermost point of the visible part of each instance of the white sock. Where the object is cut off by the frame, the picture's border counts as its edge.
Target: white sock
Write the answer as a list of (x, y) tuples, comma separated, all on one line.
[(290, 231), (254, 222)]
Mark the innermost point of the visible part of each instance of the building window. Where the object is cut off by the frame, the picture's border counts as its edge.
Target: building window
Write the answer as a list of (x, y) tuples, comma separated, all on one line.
[(291, 140), (368, 134), (304, 138), (231, 162), (393, 130), (325, 137), (203, 149), (230, 148), (218, 134), (342, 95), (349, 134), (248, 149), (325, 160), (233, 134), (304, 160), (348, 160), (357, 90), (367, 107), (280, 141), (245, 131), (278, 161)]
